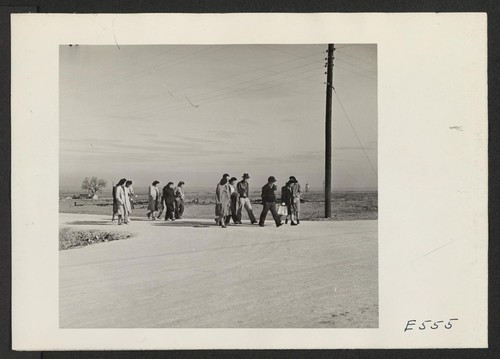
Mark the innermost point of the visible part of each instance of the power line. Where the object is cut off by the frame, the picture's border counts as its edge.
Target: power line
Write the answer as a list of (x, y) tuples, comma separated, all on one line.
[(354, 130), (354, 72), (356, 58), (225, 96), (293, 54), (255, 69), (355, 66), (114, 70), (174, 63), (129, 103), (162, 107), (219, 94)]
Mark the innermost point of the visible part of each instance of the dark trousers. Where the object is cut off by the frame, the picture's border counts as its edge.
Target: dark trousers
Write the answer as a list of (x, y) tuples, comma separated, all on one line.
[(234, 208), (269, 206), (179, 208), (169, 214)]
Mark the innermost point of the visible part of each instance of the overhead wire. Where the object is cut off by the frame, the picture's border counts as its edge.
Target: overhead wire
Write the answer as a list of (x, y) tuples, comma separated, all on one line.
[(197, 98), (356, 58), (213, 96), (312, 61), (178, 61), (254, 69), (355, 72), (239, 91), (291, 53), (355, 66), (115, 70), (285, 74), (354, 130)]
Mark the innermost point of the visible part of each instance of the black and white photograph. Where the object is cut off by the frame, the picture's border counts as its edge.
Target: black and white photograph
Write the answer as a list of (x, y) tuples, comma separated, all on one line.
[(249, 181), (218, 186)]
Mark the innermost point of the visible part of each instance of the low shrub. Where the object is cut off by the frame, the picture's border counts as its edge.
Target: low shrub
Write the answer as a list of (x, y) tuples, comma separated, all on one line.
[(73, 239)]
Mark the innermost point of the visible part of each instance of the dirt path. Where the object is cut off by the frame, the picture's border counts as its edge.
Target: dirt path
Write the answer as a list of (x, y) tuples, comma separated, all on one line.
[(193, 274)]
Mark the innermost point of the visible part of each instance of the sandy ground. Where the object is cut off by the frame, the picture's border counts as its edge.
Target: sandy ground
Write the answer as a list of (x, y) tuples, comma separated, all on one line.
[(191, 273)]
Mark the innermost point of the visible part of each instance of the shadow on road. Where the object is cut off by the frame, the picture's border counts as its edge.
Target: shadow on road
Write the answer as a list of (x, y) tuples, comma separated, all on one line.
[(177, 223), (194, 224), (140, 219), (90, 223), (183, 223)]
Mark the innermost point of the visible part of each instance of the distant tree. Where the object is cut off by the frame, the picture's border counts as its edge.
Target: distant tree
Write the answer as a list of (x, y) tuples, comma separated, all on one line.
[(93, 185)]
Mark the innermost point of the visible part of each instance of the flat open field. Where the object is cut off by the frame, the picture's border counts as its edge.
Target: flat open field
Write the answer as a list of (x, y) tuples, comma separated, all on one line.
[(193, 274), (346, 205)]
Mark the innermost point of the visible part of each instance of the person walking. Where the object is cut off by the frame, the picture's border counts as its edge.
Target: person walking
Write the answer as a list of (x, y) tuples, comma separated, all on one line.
[(169, 201), (244, 202), (115, 202), (130, 193), (153, 200), (123, 203), (179, 200), (269, 202), (161, 206), (233, 193), (286, 200), (222, 202), (128, 204), (296, 194)]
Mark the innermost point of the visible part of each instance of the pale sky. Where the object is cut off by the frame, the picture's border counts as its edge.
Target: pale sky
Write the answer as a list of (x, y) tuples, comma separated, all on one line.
[(193, 113)]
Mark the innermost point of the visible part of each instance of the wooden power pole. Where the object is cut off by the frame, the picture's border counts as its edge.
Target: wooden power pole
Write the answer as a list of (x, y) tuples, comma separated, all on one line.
[(328, 132)]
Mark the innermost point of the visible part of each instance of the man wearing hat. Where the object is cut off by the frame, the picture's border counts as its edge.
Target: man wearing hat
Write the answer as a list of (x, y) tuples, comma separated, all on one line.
[(269, 202), (296, 193), (243, 190), (179, 200)]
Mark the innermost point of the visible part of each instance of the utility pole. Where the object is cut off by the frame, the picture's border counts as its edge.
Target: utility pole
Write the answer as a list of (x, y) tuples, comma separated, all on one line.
[(328, 132)]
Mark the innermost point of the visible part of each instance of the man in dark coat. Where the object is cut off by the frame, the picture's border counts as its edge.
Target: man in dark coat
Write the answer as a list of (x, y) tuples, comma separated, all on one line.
[(169, 200), (269, 202), (115, 204)]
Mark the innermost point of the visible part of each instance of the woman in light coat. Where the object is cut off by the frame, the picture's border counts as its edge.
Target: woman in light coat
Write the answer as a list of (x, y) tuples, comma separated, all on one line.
[(115, 202), (130, 193), (222, 202), (153, 200), (123, 203)]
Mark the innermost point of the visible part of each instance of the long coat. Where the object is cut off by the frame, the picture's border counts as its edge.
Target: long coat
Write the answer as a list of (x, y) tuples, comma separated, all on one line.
[(286, 195), (222, 200), (154, 195), (268, 193), (123, 200), (128, 194), (115, 202), (168, 195)]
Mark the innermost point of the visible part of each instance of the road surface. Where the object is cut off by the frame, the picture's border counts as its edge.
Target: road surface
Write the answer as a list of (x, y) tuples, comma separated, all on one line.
[(193, 274)]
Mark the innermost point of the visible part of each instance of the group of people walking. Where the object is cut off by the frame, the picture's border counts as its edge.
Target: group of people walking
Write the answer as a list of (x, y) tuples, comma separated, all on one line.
[(232, 197), (170, 199), (123, 201)]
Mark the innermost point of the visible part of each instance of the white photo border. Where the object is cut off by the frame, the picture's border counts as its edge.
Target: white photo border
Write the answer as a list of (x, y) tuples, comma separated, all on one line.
[(433, 204)]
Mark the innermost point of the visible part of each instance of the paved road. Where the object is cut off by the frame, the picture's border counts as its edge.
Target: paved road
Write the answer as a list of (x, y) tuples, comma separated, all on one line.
[(191, 273)]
